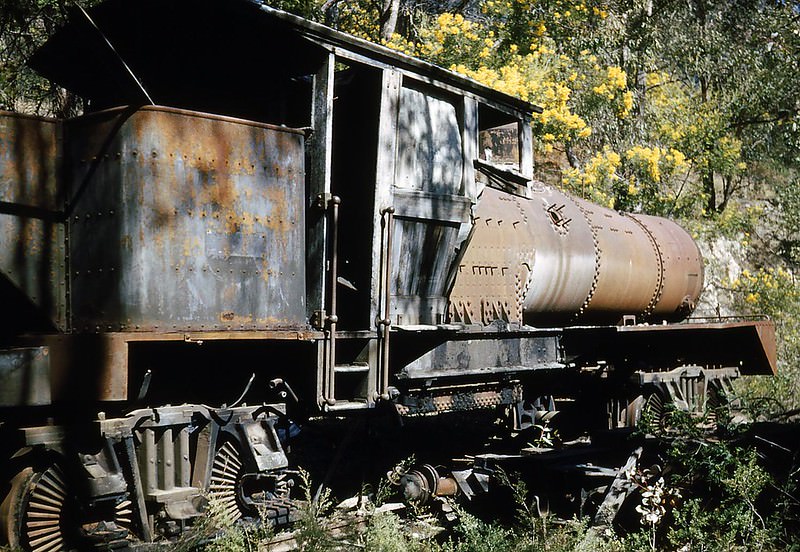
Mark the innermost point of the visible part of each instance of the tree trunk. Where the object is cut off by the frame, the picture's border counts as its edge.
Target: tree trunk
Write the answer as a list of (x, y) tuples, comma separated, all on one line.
[(389, 18), (711, 192)]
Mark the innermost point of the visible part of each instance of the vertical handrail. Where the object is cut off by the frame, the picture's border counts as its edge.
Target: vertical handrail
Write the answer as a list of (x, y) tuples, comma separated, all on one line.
[(385, 322), (332, 318)]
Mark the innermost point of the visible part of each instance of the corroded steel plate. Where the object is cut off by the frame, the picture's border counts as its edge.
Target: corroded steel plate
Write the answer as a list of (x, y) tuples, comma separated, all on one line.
[(182, 220)]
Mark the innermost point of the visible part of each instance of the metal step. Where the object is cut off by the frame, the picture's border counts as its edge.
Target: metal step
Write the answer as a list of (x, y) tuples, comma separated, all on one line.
[(347, 405), (354, 368)]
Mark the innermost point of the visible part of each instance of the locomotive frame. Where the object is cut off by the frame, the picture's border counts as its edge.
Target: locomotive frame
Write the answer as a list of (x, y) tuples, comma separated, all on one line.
[(303, 222)]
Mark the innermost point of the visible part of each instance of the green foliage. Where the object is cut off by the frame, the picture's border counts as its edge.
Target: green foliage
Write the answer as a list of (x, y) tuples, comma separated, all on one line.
[(240, 538), (386, 532), (730, 499), (215, 532), (26, 24), (534, 529), (773, 292), (788, 205), (474, 535), (314, 514), (725, 486), (310, 9), (528, 515)]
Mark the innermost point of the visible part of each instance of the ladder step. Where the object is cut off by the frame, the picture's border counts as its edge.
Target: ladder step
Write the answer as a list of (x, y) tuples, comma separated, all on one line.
[(356, 367), (347, 405)]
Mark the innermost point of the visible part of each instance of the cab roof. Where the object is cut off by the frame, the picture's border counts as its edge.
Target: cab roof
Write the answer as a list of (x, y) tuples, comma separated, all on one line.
[(235, 48)]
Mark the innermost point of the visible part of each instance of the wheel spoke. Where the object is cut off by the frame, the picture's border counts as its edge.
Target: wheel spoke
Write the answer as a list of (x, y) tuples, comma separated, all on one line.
[(52, 535), (54, 514), (54, 481), (44, 531), (226, 472), (48, 523), (57, 544)]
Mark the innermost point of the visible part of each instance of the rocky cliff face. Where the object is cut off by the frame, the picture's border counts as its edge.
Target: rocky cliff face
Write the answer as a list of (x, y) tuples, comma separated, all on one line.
[(725, 259)]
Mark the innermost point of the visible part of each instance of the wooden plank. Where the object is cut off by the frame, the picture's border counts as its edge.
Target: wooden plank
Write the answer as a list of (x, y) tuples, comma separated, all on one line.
[(318, 163), (469, 140), (438, 207), (384, 177)]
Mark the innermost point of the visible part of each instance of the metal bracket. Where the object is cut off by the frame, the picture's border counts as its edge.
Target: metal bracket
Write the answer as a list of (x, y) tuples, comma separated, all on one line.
[(318, 319)]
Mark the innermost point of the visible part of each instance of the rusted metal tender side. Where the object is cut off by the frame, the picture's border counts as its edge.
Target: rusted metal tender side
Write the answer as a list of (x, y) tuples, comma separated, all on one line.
[(182, 221), (132, 225), (32, 230), (33, 287)]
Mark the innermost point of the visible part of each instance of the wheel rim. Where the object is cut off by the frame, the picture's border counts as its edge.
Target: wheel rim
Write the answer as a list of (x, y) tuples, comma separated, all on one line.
[(226, 472), (41, 512)]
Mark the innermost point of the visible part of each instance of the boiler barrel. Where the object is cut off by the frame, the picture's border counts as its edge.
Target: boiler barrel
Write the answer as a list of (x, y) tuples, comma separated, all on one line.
[(552, 259), (645, 266)]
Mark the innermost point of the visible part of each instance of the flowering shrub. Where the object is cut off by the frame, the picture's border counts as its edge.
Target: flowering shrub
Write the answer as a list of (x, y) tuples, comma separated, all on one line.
[(642, 179), (360, 19), (699, 129), (767, 290), (774, 292), (596, 178)]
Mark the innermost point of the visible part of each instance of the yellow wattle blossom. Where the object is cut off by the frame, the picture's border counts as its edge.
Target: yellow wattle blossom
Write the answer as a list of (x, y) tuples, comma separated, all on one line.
[(617, 77), (627, 104), (655, 161), (598, 174)]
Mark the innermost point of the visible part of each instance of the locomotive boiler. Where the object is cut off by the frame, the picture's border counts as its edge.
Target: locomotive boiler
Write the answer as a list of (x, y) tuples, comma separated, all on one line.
[(260, 219)]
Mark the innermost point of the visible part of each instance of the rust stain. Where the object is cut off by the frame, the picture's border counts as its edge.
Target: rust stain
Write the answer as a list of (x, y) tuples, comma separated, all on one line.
[(192, 246), (27, 160)]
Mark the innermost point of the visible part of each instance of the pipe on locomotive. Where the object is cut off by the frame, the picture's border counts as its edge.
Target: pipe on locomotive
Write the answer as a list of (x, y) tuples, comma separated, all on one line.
[(553, 259)]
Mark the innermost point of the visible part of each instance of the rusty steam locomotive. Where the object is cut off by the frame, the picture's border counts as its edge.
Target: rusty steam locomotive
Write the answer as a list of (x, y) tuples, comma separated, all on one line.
[(258, 213)]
